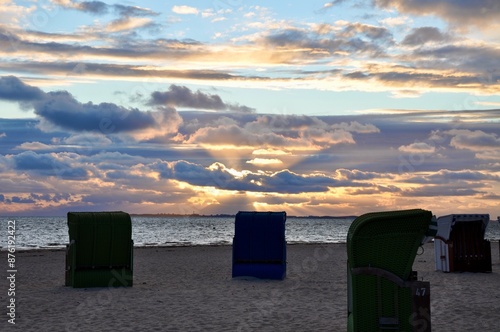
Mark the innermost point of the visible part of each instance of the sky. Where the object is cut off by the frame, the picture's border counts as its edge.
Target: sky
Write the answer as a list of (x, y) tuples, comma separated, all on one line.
[(309, 107)]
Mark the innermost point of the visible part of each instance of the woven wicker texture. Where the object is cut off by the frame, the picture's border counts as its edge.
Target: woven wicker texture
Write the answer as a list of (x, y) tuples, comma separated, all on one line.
[(100, 253), (387, 241)]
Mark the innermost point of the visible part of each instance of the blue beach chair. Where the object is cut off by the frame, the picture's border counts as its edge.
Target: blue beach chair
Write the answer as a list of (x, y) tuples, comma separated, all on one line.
[(259, 245)]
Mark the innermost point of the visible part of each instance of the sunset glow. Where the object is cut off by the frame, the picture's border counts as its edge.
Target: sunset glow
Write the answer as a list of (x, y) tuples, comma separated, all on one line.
[(315, 108)]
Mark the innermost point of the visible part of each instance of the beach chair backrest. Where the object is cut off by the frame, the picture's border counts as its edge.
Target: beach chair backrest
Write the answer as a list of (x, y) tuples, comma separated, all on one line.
[(259, 236)]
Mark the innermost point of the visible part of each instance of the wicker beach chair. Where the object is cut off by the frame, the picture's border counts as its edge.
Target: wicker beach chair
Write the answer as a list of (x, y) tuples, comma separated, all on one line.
[(100, 252), (259, 245), (460, 244), (383, 291)]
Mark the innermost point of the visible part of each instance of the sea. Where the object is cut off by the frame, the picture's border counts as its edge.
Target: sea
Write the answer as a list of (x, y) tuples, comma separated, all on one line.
[(52, 232)]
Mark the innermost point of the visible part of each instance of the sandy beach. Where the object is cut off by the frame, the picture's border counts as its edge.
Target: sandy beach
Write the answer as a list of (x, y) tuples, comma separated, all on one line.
[(191, 289)]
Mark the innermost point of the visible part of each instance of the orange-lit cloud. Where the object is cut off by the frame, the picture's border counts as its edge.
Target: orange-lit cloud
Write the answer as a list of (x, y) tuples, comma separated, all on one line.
[(154, 110)]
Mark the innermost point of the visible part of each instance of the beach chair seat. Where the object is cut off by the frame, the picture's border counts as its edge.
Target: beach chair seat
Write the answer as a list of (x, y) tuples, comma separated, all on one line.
[(383, 290), (100, 252), (259, 245)]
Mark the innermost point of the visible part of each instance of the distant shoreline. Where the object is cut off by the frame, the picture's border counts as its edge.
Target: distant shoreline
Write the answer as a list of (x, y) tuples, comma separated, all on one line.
[(195, 215), (174, 215)]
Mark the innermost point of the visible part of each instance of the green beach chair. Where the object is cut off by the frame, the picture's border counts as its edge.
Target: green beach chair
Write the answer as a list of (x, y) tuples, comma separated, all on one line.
[(100, 252), (383, 291)]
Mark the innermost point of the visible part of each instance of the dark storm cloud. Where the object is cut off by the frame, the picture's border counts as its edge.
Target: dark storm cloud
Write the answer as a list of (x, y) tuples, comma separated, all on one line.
[(13, 89), (61, 110), (181, 96), (64, 111)]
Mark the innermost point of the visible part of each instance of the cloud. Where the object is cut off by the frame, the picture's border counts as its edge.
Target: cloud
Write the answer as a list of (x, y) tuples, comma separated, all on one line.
[(461, 175), (453, 177), (356, 127), (332, 3), (265, 162), (479, 13), (133, 11), (128, 23), (185, 10), (371, 32), (36, 199), (101, 8), (423, 35), (10, 13), (290, 132), (396, 21), (129, 17), (474, 140), (91, 139), (219, 176), (94, 170), (234, 135), (33, 146), (440, 191), (113, 71), (13, 89), (94, 7), (441, 63), (417, 147), (181, 96), (350, 175), (477, 63), (64, 111), (60, 110), (328, 6), (427, 70), (48, 165), (346, 38), (22, 200), (270, 152), (490, 155)]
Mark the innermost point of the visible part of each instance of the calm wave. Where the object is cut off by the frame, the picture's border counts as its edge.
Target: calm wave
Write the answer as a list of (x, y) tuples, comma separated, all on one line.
[(52, 232)]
